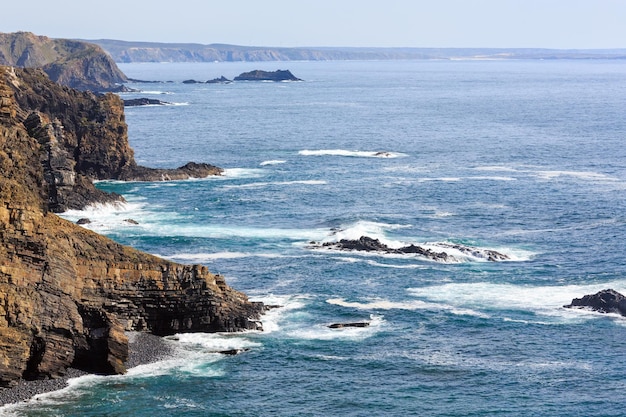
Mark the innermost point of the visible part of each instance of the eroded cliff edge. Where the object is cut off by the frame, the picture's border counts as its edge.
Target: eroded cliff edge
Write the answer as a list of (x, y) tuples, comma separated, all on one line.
[(67, 294)]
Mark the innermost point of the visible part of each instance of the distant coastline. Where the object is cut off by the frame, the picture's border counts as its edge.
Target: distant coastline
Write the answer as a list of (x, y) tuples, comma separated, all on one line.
[(128, 52)]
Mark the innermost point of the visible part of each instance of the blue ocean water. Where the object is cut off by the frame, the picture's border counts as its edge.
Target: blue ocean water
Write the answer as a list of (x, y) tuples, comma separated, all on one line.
[(523, 157)]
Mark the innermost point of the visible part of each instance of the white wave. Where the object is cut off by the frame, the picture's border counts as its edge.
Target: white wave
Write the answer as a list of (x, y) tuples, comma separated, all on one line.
[(383, 304), (323, 332), (235, 173), (214, 342), (442, 179), (354, 154), (375, 230), (476, 253), (272, 162), (582, 175), (102, 209), (207, 257), (496, 168), (547, 301), (276, 183), (228, 231), (106, 217), (286, 314), (492, 178)]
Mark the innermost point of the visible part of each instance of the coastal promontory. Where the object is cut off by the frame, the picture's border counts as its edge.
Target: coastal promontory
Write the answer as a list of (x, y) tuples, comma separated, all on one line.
[(77, 64), (68, 295)]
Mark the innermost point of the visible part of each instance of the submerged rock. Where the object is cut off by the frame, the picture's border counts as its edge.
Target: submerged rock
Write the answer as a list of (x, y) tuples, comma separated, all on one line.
[(355, 324), (605, 301), (233, 352)]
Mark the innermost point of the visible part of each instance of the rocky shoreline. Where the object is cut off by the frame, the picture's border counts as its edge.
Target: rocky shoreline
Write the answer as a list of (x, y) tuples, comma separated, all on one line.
[(144, 348)]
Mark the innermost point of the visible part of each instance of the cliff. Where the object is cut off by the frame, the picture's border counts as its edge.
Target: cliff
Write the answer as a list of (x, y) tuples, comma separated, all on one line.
[(81, 65), (128, 51), (67, 294)]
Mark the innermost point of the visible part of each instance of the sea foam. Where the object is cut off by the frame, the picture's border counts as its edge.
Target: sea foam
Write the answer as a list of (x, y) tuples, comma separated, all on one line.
[(272, 162), (348, 153), (503, 299)]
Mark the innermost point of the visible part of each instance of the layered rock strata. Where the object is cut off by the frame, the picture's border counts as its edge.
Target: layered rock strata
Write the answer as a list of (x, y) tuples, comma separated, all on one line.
[(67, 295)]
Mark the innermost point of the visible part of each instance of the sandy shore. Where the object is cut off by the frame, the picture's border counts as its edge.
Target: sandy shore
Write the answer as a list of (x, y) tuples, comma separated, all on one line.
[(144, 348)]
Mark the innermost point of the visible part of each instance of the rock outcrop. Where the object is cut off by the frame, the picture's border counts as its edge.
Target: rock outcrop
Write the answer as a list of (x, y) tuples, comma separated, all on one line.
[(367, 244), (605, 301), (258, 75), (219, 80), (132, 102), (83, 137), (76, 64), (344, 325), (67, 295)]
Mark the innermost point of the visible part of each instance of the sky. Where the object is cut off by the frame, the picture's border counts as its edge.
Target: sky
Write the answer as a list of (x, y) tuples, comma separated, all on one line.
[(560, 24)]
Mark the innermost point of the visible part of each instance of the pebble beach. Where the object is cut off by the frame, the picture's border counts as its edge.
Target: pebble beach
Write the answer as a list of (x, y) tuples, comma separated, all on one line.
[(144, 348)]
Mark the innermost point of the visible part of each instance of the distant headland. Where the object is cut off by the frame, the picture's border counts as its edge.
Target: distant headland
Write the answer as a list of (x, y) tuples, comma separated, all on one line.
[(127, 52)]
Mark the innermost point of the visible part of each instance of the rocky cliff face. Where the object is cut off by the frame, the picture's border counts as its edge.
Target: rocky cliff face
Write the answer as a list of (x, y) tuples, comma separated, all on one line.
[(83, 137), (76, 64), (67, 294)]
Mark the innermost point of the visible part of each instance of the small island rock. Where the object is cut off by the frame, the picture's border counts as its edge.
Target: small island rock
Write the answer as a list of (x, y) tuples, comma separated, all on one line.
[(605, 301), (259, 75), (144, 102)]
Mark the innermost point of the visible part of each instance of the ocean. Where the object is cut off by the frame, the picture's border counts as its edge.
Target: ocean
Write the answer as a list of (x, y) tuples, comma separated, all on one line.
[(526, 158)]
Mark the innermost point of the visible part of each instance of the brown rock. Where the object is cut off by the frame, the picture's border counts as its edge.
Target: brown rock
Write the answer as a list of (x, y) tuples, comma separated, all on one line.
[(68, 294)]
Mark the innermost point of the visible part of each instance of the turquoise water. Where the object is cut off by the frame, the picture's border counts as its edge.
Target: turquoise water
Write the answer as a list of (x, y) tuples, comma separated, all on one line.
[(526, 158)]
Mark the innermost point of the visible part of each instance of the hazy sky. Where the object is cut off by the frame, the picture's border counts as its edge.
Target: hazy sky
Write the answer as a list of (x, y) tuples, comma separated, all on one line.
[(417, 23)]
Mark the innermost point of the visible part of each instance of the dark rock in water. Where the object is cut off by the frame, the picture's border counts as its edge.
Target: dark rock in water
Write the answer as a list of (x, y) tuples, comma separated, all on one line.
[(233, 352), (84, 220), (367, 244), (189, 170), (258, 75), (342, 325), (144, 102), (490, 255), (605, 301), (220, 80), (364, 243)]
